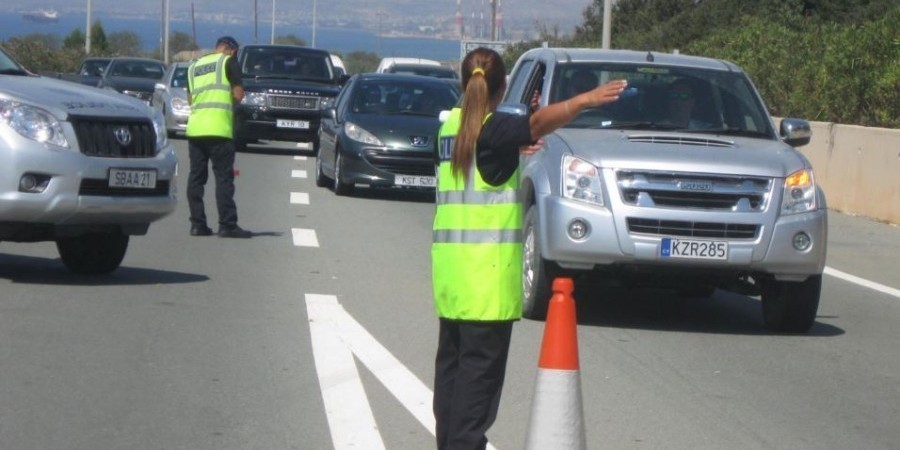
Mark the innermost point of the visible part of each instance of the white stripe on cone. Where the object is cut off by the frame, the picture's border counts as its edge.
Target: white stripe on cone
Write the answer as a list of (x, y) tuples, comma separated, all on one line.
[(557, 417)]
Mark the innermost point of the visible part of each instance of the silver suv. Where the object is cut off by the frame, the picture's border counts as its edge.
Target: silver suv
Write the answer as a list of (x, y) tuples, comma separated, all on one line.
[(81, 166), (684, 183)]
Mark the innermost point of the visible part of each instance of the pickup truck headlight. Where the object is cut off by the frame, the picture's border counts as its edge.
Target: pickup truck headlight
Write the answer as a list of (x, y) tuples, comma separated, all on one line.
[(257, 99), (799, 192), (581, 181), (357, 133), (32, 122)]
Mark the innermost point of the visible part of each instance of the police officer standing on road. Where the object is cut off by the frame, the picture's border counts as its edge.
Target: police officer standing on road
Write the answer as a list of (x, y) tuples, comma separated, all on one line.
[(214, 86), (477, 243)]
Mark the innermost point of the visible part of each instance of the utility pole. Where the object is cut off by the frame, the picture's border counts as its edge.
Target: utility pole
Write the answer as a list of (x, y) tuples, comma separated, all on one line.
[(166, 34), (314, 25), (607, 22), (255, 23), (493, 20), (272, 39), (87, 30)]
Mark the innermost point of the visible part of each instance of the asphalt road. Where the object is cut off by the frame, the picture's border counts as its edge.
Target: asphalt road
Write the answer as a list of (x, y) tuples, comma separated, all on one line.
[(319, 333)]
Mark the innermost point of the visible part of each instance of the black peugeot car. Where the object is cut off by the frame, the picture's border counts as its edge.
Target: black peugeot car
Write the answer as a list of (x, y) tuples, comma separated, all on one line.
[(285, 89)]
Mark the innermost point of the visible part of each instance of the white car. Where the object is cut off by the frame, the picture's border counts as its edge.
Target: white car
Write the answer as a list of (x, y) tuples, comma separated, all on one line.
[(386, 63), (84, 167)]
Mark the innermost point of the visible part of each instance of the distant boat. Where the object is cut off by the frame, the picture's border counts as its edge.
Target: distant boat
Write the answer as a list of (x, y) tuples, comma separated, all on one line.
[(42, 16)]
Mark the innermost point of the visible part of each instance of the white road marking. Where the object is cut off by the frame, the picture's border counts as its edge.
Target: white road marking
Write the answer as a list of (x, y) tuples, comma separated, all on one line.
[(300, 158), (863, 282), (304, 237), (350, 417), (299, 198), (325, 311), (298, 173)]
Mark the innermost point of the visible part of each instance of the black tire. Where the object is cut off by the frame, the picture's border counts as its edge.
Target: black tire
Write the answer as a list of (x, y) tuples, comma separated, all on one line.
[(701, 290), (321, 179), (537, 273), (340, 187), (93, 254), (791, 307)]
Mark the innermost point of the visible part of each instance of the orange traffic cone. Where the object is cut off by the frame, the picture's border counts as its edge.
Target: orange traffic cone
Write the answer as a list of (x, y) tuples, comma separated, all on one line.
[(557, 418)]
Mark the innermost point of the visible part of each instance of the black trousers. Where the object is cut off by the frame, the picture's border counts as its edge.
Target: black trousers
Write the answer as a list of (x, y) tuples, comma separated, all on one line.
[(469, 371), (219, 151)]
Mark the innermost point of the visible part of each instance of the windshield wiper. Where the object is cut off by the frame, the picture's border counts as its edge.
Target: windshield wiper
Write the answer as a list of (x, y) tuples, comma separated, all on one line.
[(13, 72), (730, 132)]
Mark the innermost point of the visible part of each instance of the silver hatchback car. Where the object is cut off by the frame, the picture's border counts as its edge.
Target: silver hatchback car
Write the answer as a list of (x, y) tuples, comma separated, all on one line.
[(170, 98), (683, 183)]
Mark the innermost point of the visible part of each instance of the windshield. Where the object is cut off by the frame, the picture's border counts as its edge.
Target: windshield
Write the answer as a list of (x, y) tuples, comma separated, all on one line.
[(136, 69), (667, 98), (287, 64), (7, 64), (404, 97)]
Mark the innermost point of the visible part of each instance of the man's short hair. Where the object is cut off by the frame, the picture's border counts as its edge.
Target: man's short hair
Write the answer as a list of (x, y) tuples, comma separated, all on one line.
[(228, 41)]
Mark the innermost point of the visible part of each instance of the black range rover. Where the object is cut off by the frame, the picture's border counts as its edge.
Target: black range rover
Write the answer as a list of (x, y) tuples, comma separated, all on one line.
[(285, 89)]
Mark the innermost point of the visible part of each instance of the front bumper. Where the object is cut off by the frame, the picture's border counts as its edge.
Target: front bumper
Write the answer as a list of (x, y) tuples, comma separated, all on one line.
[(610, 242)]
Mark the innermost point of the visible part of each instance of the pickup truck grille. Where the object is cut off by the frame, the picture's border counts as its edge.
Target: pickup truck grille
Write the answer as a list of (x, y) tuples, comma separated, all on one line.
[(694, 191), (692, 229), (294, 102), (97, 137)]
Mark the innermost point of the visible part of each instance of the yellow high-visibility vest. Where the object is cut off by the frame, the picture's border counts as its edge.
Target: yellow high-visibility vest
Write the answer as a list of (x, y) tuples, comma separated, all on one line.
[(476, 250), (211, 100)]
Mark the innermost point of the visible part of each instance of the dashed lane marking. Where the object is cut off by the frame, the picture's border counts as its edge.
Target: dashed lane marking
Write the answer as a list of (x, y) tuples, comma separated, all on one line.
[(304, 237), (298, 173), (299, 198)]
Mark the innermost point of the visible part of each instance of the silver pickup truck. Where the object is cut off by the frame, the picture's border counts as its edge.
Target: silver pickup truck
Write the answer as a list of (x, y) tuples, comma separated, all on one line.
[(684, 183), (80, 166)]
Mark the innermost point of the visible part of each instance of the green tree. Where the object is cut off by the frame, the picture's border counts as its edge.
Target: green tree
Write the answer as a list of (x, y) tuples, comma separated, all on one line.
[(75, 40), (290, 39), (361, 62), (99, 43), (125, 43)]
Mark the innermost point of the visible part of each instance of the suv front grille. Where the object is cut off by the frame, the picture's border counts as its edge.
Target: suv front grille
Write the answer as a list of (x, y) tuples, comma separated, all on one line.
[(694, 191), (97, 137), (692, 229), (402, 162), (293, 102)]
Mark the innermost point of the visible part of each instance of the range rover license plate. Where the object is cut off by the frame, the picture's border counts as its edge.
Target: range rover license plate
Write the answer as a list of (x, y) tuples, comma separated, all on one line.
[(414, 180), (132, 178), (285, 123), (693, 249)]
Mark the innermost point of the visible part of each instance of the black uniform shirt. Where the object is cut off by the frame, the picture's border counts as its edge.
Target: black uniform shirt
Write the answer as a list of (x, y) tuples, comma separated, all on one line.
[(497, 150)]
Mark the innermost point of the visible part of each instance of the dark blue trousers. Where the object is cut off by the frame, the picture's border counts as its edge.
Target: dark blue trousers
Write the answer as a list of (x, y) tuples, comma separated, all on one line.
[(469, 371), (220, 152)]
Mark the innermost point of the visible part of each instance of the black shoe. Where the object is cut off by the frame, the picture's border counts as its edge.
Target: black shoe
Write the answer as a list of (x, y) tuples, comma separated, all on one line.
[(201, 230), (234, 232)]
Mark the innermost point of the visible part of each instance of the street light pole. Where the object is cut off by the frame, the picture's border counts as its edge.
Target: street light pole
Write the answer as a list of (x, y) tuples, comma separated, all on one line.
[(166, 35), (272, 40), (314, 25)]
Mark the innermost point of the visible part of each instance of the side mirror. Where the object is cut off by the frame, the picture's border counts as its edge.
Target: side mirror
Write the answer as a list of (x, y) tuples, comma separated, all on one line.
[(519, 109), (795, 132), (330, 113)]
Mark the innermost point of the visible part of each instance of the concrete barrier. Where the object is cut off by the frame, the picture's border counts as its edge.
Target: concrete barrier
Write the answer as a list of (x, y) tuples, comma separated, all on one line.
[(858, 168)]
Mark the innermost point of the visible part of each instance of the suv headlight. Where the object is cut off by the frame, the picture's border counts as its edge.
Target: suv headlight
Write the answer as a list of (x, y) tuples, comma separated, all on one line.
[(581, 181), (357, 133), (799, 192), (326, 102), (159, 125), (32, 122), (257, 99)]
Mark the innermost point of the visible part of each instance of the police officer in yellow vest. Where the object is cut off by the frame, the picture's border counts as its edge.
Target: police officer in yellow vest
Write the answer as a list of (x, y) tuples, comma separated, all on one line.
[(214, 86), (477, 243)]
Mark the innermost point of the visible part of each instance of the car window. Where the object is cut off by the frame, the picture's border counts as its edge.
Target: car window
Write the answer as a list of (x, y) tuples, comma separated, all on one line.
[(179, 77)]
